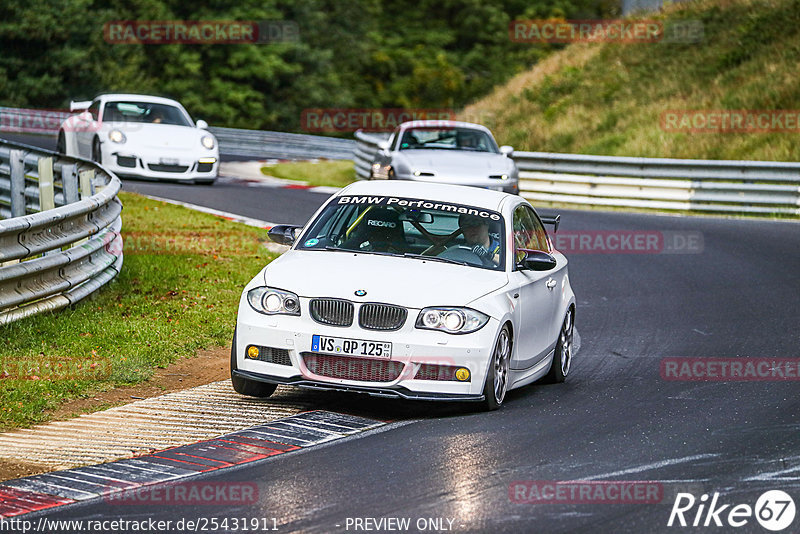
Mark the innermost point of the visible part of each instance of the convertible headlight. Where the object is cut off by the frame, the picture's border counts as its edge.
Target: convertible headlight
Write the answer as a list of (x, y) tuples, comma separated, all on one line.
[(207, 141), (117, 136), (270, 301), (452, 320)]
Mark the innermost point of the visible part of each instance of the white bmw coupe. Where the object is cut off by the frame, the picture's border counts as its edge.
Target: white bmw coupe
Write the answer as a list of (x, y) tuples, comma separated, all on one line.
[(142, 136), (409, 290)]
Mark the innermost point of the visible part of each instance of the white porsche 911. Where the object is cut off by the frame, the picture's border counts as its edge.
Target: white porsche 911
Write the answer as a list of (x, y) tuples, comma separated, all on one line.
[(410, 290), (142, 136)]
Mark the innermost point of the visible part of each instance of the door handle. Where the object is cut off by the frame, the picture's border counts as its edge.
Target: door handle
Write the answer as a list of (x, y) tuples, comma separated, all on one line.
[(550, 284)]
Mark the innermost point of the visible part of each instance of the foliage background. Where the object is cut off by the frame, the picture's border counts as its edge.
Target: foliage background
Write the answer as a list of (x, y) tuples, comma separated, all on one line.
[(351, 54)]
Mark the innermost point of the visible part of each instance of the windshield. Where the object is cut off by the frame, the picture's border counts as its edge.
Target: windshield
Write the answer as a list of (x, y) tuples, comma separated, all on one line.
[(144, 112), (448, 139), (409, 227)]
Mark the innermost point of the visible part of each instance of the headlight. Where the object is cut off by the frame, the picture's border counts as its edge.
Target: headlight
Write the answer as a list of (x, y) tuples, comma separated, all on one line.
[(451, 320), (207, 141), (270, 301), (117, 136)]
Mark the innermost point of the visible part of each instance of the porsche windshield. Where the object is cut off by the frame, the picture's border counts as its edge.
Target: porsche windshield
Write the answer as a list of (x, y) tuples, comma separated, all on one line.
[(409, 227), (144, 112), (448, 139)]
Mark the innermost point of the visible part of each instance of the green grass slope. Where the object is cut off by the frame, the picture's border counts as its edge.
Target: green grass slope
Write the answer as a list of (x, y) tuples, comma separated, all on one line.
[(608, 98)]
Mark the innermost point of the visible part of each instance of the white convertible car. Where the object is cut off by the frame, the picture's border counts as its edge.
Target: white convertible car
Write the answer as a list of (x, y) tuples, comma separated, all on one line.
[(142, 136), (410, 290)]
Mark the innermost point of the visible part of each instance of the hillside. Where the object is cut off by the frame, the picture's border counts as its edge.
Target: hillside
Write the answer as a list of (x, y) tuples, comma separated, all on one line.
[(610, 98)]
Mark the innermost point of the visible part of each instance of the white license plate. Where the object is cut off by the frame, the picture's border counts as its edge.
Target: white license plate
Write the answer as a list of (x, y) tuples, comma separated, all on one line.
[(169, 161), (351, 347)]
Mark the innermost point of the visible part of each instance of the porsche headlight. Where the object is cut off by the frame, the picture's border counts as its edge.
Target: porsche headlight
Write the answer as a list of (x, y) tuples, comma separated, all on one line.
[(271, 301), (452, 320), (117, 136), (207, 141)]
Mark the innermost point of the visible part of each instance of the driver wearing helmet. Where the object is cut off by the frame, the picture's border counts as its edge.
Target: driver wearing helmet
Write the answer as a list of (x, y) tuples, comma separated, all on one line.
[(476, 234)]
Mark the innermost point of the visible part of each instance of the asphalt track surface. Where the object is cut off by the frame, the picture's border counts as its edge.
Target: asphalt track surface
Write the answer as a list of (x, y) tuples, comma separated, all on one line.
[(615, 419)]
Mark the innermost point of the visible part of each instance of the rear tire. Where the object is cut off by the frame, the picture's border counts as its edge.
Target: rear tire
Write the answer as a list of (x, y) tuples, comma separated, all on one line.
[(562, 357), (61, 143), (97, 154), (496, 385), (243, 386)]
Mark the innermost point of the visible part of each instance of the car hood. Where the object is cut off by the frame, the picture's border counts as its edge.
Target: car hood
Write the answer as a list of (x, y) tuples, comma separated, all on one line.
[(407, 282), (463, 163), (160, 135)]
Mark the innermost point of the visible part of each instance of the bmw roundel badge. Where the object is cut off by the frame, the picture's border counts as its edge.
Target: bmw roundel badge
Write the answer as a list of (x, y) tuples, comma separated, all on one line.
[(360, 292)]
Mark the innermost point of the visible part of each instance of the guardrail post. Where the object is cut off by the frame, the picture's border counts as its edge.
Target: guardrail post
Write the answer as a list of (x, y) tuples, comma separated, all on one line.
[(69, 182), (17, 183), (46, 192), (86, 178)]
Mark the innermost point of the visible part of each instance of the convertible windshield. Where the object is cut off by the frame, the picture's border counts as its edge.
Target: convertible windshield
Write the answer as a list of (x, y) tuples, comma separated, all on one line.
[(410, 228), (144, 112), (448, 139)]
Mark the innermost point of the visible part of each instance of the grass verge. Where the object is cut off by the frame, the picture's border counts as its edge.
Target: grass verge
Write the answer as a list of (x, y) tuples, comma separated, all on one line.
[(336, 173), (610, 98), (178, 292)]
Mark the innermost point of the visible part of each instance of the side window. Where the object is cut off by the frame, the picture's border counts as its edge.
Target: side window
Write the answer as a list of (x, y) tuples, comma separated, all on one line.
[(529, 233), (94, 109)]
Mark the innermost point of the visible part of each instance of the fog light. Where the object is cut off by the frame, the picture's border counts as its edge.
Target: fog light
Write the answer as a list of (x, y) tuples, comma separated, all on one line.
[(252, 352), (462, 374)]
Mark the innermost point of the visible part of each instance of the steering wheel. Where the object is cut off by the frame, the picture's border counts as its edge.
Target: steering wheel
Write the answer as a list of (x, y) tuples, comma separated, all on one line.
[(461, 253), (440, 243)]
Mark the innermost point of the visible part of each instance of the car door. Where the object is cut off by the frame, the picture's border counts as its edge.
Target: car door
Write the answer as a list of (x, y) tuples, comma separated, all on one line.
[(85, 129), (538, 292)]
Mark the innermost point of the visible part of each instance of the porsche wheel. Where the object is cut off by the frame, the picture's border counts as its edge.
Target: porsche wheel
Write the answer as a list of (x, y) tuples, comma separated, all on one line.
[(562, 358), (243, 386), (496, 385), (61, 144)]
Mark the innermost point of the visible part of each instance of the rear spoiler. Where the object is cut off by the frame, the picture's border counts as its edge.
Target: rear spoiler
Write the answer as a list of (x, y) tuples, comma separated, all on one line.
[(79, 106), (555, 220)]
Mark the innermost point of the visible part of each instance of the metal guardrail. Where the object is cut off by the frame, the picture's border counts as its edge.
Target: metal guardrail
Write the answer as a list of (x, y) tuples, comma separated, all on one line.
[(760, 187), (60, 230), (280, 145)]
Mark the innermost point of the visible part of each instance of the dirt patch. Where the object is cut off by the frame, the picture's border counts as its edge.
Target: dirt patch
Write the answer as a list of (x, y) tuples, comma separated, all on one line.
[(205, 367)]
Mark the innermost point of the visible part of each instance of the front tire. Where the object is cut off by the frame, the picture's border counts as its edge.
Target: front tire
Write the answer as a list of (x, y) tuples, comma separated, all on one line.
[(496, 385), (562, 357), (243, 386)]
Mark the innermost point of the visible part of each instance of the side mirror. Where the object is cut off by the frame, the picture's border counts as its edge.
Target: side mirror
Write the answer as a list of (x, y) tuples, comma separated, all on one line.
[(536, 260), (383, 145), (507, 150), (203, 125), (284, 234)]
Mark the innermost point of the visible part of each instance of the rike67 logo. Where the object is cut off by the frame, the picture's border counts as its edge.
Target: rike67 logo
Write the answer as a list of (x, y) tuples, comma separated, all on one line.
[(774, 510)]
